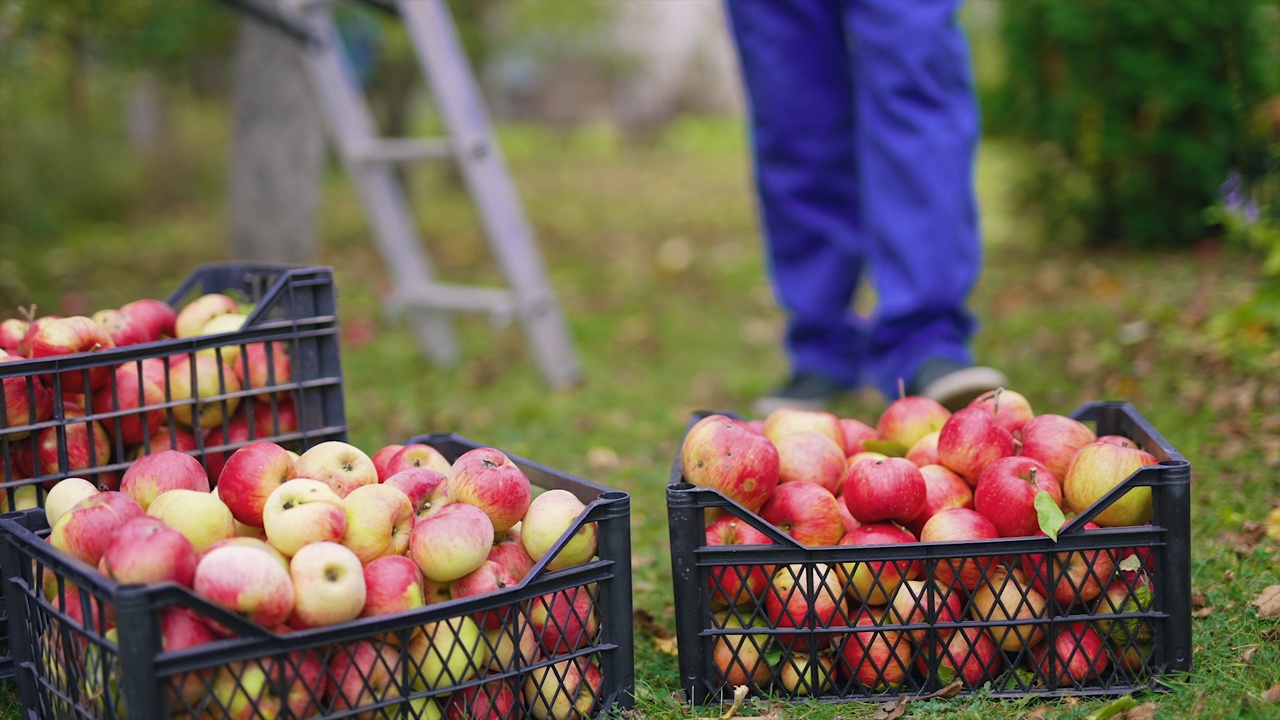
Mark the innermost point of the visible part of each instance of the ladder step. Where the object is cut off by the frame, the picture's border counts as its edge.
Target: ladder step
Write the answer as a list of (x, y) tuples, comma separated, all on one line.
[(388, 150), (499, 303)]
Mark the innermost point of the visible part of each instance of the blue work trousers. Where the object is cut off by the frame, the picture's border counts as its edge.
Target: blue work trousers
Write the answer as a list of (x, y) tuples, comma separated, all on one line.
[(864, 127)]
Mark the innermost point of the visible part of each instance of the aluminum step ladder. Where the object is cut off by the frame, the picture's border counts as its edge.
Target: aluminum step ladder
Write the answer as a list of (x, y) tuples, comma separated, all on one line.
[(371, 160)]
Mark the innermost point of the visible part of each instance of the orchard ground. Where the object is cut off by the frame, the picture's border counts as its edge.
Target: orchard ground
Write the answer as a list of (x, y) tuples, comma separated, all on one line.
[(651, 246)]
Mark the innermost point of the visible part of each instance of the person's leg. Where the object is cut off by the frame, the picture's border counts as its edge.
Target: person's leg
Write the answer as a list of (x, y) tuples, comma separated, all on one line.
[(917, 135), (795, 69)]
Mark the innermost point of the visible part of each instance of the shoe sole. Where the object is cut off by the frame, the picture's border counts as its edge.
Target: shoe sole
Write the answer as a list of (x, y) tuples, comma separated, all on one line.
[(957, 389)]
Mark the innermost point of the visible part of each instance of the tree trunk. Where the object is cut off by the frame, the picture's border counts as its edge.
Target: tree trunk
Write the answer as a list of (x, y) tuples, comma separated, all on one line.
[(277, 151)]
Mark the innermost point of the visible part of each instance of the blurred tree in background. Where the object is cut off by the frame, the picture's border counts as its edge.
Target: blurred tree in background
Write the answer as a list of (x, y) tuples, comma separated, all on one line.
[(1138, 112)]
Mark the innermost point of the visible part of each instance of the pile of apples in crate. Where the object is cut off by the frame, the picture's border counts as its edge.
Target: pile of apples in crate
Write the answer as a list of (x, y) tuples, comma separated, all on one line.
[(994, 469), (136, 392), (292, 541)]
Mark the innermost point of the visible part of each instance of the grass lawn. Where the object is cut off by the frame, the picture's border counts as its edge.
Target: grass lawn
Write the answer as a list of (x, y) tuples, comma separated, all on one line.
[(652, 248)]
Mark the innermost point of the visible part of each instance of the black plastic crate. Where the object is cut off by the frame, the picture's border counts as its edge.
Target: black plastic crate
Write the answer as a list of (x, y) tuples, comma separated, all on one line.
[(68, 668), (298, 402), (837, 645)]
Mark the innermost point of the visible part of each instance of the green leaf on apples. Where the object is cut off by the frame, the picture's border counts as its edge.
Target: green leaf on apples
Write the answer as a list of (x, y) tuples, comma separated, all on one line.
[(946, 674), (892, 448), (774, 657), (1049, 515), (1131, 563)]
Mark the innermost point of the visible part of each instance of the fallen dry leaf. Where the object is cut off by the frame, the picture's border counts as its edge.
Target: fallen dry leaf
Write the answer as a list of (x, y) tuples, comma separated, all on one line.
[(1247, 655), (1038, 713), (1197, 599), (947, 692), (892, 709), (1273, 694), (668, 645), (644, 623), (1268, 602), (1145, 711), (1203, 612)]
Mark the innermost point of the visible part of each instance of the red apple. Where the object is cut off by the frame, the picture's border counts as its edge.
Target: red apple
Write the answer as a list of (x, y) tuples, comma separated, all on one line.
[(250, 475), (12, 330), (850, 522), (139, 389), (1010, 408), (224, 439), (740, 658), (418, 455), (1054, 440), (784, 421), (340, 465), (722, 454), (162, 471), (145, 550), (970, 440), (87, 447), (486, 477), (69, 336), (1095, 470), (1074, 655), (969, 652), (33, 328), (452, 542), (1006, 494), (379, 521), (204, 390), (85, 530), (427, 490), (888, 489), (180, 438), (804, 597), (26, 402), (364, 673), (910, 418), (808, 456), (382, 457), (264, 365), (247, 581), (959, 525), (735, 584), (393, 584), (156, 316), (925, 450), (565, 620), (806, 511), (495, 700), (508, 551), (855, 432), (873, 656), (918, 602), (490, 577), (875, 582), (567, 690), (123, 329), (943, 488), (1070, 577)]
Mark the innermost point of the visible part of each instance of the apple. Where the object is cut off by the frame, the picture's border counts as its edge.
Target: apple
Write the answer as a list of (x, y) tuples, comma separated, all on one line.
[(943, 488), (139, 389), (909, 418), (434, 592), (876, 657), (250, 475), (969, 652), (33, 328), (418, 455), (228, 355), (875, 582), (1004, 597), (735, 584), (808, 456), (64, 495), (273, 414), (180, 438), (1095, 470), (123, 329), (157, 317), (1128, 594), (340, 465), (145, 550), (447, 652), (970, 440), (1070, 577), (917, 602), (180, 629), (1006, 494), (87, 447), (201, 516), (803, 597), (252, 542), (805, 674), (958, 525), (427, 490), (271, 687), (807, 512), (1053, 440), (720, 453), (328, 585), (864, 455), (495, 700), (263, 365), (379, 521), (508, 551), (26, 402), (490, 577), (362, 673), (1073, 655), (1010, 408), (486, 477), (888, 489), (567, 690), (160, 472), (514, 646), (393, 583), (247, 581), (382, 457), (303, 511), (85, 529), (452, 542), (225, 438), (925, 450), (12, 330), (565, 620), (70, 336), (21, 497), (850, 522), (196, 314), (739, 658), (204, 390), (855, 433), (550, 517), (784, 421)]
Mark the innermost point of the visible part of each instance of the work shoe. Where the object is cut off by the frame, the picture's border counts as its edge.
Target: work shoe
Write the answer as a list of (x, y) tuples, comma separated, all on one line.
[(802, 391), (954, 385)]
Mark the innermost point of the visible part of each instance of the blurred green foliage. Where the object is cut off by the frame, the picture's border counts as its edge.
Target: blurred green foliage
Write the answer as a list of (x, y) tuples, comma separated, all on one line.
[(1137, 111)]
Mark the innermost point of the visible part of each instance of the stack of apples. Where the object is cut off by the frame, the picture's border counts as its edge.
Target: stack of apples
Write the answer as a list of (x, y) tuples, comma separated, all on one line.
[(291, 542), (128, 406), (994, 469)]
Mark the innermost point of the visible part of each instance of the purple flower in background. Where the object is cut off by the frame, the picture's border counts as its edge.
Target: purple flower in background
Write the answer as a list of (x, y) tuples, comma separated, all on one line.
[(1235, 198)]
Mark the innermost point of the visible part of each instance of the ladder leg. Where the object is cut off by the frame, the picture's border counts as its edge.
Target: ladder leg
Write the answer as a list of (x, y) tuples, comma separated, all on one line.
[(480, 159)]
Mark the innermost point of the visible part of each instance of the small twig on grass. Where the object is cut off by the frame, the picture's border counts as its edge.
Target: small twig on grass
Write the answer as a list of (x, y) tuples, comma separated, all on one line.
[(739, 694), (1115, 707)]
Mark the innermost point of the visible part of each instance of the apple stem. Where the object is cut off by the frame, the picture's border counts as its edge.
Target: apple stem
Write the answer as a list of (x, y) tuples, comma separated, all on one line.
[(995, 401), (902, 388), (28, 313)]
